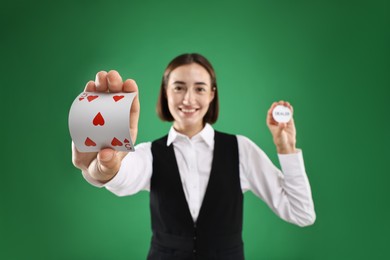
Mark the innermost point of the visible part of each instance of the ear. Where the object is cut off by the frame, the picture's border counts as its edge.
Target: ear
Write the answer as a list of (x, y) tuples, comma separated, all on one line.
[(212, 94)]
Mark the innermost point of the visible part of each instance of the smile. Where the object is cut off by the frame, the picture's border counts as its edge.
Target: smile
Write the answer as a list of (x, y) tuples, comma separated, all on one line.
[(186, 110)]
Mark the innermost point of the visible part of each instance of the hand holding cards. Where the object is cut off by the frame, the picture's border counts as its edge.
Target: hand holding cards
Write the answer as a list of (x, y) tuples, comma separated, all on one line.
[(101, 120)]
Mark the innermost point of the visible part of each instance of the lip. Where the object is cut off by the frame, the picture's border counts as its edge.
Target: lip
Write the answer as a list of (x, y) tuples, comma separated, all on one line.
[(188, 110)]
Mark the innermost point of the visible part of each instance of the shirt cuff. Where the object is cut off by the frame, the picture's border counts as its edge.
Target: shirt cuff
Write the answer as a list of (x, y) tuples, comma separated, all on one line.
[(292, 164)]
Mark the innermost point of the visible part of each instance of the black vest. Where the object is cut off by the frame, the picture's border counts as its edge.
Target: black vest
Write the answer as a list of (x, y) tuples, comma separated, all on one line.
[(217, 233)]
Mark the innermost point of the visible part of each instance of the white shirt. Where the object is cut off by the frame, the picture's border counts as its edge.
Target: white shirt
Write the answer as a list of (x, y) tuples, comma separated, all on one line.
[(287, 193)]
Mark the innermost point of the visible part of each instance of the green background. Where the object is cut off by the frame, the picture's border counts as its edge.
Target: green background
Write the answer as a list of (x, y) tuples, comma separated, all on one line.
[(330, 59)]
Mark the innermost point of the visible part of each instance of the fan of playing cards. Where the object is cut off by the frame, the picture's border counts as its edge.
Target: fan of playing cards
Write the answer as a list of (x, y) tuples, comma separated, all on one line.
[(101, 120)]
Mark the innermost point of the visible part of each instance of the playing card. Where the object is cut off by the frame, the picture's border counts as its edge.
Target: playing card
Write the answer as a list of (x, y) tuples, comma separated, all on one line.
[(101, 120)]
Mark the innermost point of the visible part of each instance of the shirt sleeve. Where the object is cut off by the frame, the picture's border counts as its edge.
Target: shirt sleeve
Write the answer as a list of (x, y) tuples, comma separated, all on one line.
[(134, 174), (286, 192)]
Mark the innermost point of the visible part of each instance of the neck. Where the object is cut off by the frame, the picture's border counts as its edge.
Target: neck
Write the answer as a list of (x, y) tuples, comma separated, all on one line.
[(189, 131)]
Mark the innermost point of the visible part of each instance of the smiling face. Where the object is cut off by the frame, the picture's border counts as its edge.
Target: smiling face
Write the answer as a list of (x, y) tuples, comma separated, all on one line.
[(189, 94)]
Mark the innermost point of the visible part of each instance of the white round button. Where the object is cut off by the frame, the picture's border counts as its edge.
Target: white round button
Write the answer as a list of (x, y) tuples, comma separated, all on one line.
[(281, 114)]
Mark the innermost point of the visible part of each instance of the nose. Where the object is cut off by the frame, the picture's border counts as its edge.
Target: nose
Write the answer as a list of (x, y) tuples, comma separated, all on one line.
[(189, 98)]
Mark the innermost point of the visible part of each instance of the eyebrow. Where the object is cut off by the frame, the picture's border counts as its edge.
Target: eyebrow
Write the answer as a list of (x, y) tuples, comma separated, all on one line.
[(179, 82), (183, 83)]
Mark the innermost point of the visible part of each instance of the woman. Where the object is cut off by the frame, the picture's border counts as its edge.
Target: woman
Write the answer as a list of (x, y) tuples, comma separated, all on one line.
[(196, 175)]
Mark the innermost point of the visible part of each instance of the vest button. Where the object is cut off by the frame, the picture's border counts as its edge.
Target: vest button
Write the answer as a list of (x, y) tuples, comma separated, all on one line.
[(194, 251), (194, 237)]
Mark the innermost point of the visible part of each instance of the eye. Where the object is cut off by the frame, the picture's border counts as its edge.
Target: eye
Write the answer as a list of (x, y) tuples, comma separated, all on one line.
[(178, 88), (200, 89)]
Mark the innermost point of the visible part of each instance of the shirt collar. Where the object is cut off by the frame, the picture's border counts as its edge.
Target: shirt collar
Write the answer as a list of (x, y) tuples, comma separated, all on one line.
[(207, 135)]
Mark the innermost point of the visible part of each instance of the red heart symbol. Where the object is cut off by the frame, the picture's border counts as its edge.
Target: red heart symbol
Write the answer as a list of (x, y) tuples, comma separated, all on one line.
[(126, 141), (117, 98), (98, 120), (81, 98), (91, 98), (116, 142), (89, 142)]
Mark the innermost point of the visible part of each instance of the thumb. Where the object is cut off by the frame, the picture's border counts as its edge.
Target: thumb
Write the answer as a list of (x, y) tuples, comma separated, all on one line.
[(109, 161), (280, 128)]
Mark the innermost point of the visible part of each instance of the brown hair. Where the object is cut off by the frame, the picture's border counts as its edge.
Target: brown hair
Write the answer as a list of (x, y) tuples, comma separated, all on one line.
[(162, 103)]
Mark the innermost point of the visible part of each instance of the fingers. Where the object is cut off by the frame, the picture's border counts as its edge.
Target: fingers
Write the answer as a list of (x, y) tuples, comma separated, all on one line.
[(90, 87), (114, 81), (282, 103), (106, 82), (101, 81), (270, 118), (130, 86)]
